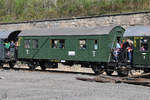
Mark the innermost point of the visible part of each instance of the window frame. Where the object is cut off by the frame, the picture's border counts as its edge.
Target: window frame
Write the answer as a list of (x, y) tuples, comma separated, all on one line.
[(82, 48), (63, 44), (52, 42), (36, 44), (140, 45), (96, 44), (28, 43)]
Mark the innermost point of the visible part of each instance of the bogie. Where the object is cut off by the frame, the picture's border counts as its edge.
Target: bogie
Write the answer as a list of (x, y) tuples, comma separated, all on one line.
[(47, 64), (109, 71), (146, 70), (123, 70), (12, 64), (98, 69), (1, 65), (32, 67)]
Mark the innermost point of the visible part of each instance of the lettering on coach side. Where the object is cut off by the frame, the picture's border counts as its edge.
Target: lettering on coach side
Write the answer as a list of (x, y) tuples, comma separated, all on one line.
[(71, 53)]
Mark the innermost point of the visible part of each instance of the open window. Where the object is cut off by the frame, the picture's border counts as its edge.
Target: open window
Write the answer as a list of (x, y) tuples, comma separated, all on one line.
[(95, 44), (118, 43), (27, 43), (35, 43), (57, 43), (144, 45), (118, 39), (61, 43), (82, 44), (53, 43)]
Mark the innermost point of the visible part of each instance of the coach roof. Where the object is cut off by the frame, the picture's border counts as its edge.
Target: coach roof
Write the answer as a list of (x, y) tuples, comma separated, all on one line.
[(137, 31), (102, 30)]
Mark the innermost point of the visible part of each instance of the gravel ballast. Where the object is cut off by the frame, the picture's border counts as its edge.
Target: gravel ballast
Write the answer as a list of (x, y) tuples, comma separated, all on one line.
[(27, 85)]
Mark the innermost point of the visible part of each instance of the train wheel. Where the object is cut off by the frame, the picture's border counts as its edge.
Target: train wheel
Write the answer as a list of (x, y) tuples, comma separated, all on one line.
[(109, 71), (31, 67), (123, 73), (42, 67), (12, 64), (123, 70), (146, 70), (97, 69), (1, 65)]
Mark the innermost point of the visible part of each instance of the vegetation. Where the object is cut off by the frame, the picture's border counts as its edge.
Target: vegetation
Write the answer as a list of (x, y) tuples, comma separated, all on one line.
[(23, 10)]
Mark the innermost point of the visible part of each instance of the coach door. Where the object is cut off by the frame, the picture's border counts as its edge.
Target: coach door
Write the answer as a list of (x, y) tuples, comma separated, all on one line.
[(35, 48), (142, 50), (93, 49)]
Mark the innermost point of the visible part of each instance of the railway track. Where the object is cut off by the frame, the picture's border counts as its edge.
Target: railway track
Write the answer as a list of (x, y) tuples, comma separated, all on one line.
[(48, 70), (143, 79)]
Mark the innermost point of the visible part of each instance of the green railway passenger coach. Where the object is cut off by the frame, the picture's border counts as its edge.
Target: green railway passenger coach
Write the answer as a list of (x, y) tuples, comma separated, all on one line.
[(140, 35), (85, 46)]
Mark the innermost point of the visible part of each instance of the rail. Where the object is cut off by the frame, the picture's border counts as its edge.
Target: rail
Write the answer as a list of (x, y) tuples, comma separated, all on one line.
[(135, 79)]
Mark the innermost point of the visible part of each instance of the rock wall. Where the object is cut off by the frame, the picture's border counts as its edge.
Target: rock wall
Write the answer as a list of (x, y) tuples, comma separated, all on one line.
[(123, 20)]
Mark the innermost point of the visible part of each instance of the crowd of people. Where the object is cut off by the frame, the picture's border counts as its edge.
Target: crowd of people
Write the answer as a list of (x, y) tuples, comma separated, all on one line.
[(124, 47), (10, 47)]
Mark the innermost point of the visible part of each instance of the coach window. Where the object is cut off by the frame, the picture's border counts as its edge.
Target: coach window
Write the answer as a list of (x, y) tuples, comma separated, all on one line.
[(35, 43), (143, 45), (95, 44), (61, 43), (57, 43), (26, 43), (82, 44), (54, 43)]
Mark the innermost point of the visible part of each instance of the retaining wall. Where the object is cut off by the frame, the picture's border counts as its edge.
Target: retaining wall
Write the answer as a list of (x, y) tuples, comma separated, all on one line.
[(120, 19)]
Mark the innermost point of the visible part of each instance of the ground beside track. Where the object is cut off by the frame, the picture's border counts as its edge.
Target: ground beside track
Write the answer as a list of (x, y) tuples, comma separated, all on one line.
[(24, 85), (63, 68)]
